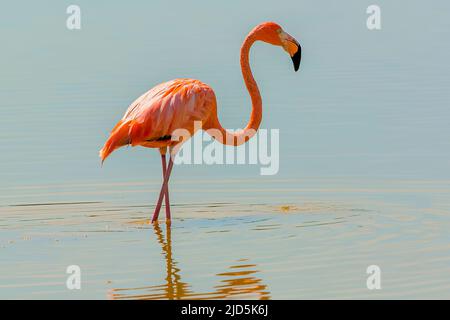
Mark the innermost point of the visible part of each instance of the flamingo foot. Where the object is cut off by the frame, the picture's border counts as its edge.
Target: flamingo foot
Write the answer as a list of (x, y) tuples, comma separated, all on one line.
[(156, 213)]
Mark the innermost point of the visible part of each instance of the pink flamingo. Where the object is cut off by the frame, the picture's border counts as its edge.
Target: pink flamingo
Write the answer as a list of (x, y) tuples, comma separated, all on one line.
[(151, 119)]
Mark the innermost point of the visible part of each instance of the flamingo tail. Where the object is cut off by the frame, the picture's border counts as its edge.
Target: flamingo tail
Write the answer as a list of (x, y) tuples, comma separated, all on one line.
[(120, 136)]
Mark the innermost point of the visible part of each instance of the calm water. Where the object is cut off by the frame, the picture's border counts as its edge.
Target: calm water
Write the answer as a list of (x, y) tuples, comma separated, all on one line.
[(364, 153)]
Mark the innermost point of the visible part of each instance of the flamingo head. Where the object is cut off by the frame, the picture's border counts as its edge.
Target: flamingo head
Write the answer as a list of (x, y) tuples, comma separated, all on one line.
[(272, 33)]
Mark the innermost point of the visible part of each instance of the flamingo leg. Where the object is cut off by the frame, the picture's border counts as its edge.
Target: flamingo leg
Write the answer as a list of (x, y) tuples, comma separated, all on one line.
[(163, 190), (166, 193)]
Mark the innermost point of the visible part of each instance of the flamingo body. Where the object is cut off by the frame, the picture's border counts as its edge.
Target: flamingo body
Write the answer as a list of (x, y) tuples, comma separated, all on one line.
[(151, 118)]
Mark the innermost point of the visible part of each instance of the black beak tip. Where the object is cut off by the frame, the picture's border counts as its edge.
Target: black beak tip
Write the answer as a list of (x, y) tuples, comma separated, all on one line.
[(296, 58)]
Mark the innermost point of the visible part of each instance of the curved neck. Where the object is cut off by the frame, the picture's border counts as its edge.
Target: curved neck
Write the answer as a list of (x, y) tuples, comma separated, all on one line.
[(242, 136)]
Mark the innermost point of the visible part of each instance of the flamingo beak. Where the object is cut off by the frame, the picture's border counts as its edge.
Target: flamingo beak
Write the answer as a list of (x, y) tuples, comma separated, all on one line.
[(294, 49), (297, 57)]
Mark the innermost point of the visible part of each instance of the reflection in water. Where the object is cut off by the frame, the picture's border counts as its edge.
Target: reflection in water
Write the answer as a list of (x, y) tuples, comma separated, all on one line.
[(238, 282)]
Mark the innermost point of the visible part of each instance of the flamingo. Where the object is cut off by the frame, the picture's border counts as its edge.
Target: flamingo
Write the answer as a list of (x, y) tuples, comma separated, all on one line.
[(177, 104)]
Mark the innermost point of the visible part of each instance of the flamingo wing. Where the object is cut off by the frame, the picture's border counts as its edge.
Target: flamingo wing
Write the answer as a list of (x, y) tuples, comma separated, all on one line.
[(153, 116)]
